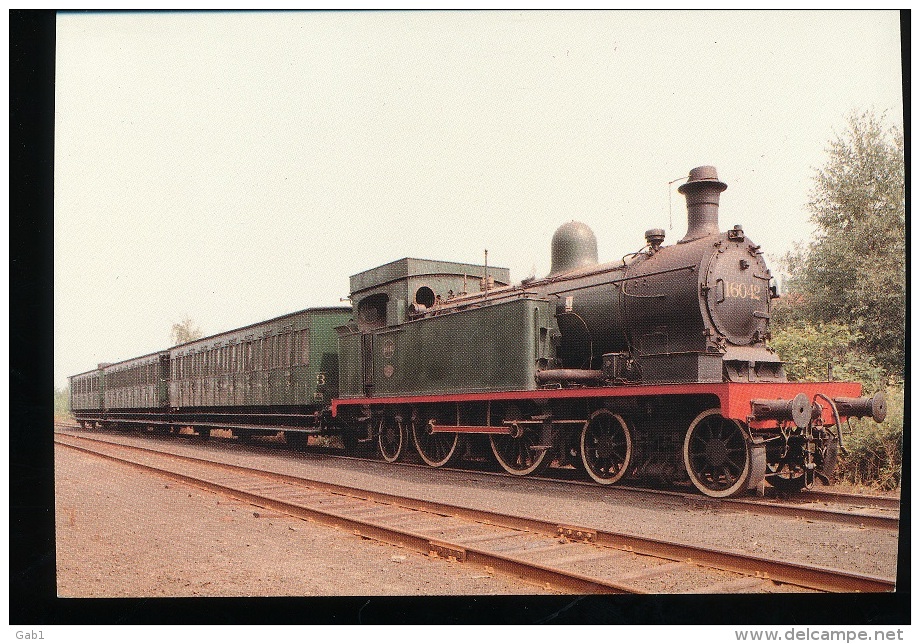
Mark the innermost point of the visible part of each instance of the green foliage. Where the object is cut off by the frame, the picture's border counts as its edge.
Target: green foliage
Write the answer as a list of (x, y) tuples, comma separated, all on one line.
[(846, 301), (808, 348), (874, 450), (855, 269), (185, 331), (62, 403)]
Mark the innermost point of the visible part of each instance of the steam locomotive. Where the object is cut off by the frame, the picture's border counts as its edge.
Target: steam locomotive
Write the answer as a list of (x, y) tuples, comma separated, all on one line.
[(653, 366)]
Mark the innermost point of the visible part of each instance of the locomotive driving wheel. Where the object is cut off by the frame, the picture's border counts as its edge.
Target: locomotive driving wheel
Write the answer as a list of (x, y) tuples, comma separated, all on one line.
[(391, 438), (435, 448), (606, 447), (520, 455), (717, 455)]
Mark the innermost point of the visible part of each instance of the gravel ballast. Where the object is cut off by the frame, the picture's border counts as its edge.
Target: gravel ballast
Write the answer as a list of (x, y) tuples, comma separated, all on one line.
[(122, 532), (692, 520)]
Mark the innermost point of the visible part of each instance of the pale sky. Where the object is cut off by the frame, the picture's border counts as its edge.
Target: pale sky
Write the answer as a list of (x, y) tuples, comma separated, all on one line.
[(233, 167)]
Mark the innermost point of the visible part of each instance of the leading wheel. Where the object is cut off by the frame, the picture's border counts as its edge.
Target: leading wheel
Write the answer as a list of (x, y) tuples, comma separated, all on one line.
[(606, 447), (717, 455), (786, 477), (518, 455), (391, 438), (435, 448)]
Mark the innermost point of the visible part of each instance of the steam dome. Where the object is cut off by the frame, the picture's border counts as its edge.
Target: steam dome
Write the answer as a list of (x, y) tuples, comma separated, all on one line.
[(574, 246)]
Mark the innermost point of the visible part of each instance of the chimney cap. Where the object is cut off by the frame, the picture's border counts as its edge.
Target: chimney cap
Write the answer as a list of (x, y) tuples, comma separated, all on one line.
[(703, 175)]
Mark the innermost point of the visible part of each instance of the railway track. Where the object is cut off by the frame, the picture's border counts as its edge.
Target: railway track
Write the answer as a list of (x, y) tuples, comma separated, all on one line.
[(572, 559), (862, 510)]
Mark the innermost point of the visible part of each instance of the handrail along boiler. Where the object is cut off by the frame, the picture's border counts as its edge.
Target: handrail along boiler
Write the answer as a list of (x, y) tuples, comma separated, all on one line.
[(655, 365)]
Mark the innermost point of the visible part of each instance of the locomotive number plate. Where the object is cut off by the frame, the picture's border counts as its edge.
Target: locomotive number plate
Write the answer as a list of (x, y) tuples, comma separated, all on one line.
[(744, 291)]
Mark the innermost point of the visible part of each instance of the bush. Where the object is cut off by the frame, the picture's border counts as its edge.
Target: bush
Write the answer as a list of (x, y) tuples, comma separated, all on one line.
[(62, 404), (873, 449), (808, 348)]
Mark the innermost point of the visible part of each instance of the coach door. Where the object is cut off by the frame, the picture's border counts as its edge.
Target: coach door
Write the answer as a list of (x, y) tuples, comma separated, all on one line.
[(367, 362)]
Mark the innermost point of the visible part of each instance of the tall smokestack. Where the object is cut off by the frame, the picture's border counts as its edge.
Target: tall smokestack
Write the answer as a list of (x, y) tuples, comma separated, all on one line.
[(702, 192)]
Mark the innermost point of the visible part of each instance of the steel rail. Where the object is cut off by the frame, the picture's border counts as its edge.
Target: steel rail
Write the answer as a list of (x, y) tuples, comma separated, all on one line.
[(814, 577), (366, 528), (788, 508), (847, 498)]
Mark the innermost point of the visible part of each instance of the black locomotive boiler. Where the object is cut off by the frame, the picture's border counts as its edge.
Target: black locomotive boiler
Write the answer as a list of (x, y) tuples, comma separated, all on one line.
[(655, 365)]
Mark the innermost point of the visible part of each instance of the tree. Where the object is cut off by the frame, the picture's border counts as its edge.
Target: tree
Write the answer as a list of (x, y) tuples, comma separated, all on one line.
[(61, 402), (854, 271), (185, 331)]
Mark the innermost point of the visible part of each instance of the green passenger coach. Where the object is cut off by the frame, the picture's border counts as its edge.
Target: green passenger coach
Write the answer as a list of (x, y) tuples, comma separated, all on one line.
[(138, 384), (279, 373), (87, 400)]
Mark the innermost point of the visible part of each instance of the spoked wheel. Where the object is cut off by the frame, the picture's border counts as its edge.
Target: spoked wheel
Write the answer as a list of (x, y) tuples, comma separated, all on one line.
[(435, 448), (786, 477), (391, 439), (517, 455), (717, 455), (606, 447)]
